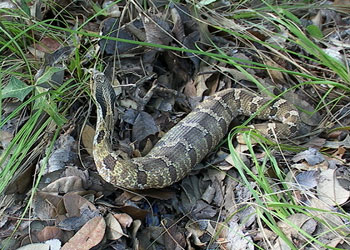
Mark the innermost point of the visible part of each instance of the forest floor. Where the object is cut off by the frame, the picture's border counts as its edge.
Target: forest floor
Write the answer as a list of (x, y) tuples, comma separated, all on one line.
[(251, 192)]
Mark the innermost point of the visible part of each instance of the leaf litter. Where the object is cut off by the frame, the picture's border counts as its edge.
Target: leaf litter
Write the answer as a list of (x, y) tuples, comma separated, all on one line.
[(214, 207)]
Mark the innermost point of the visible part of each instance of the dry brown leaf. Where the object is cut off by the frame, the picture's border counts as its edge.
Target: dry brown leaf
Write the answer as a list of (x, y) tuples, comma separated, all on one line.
[(149, 145), (339, 153), (265, 234), (47, 45), (75, 171), (64, 153), (87, 138), (114, 229), (299, 220), (65, 185), (329, 190), (329, 216), (157, 30), (190, 89), (88, 236), (37, 53), (277, 76), (317, 20), (240, 149), (229, 160), (208, 194), (133, 196), (307, 167), (125, 220), (315, 142), (135, 212), (22, 182), (213, 83), (174, 236), (48, 206), (312, 156), (201, 86), (135, 228), (6, 137), (205, 81), (50, 232), (230, 204), (74, 202), (178, 28)]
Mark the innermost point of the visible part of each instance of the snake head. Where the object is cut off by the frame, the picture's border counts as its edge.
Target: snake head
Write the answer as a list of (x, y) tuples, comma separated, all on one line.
[(97, 76), (98, 80), (102, 92)]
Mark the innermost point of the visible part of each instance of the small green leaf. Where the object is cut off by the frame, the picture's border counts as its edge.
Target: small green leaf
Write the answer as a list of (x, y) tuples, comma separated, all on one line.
[(55, 115), (314, 31), (49, 107), (46, 77), (16, 88)]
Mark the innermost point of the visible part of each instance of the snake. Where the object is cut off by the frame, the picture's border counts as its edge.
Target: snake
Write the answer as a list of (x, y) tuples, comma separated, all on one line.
[(189, 141)]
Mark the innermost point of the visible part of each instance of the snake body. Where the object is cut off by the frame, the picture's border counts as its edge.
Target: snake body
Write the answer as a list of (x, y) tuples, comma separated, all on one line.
[(188, 142)]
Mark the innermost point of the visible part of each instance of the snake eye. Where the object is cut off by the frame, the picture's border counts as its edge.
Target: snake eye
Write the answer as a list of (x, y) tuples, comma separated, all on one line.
[(99, 78)]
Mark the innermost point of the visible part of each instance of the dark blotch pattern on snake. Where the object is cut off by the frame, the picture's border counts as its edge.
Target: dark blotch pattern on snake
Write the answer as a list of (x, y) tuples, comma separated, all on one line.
[(187, 143)]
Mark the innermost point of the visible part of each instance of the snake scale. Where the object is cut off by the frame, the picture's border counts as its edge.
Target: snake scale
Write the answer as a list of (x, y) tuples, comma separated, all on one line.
[(188, 142)]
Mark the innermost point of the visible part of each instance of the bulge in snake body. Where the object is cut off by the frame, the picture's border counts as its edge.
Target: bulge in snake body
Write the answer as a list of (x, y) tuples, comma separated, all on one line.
[(187, 143)]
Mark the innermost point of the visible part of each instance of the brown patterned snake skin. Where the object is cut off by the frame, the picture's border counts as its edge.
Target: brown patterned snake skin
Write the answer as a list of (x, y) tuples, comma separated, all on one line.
[(187, 143)]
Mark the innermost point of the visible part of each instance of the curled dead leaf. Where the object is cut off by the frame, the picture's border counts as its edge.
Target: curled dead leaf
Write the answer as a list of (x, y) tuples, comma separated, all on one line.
[(65, 185), (88, 236)]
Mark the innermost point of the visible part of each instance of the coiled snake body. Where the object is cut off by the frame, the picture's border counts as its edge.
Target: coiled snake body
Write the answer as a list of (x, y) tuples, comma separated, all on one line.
[(187, 143)]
